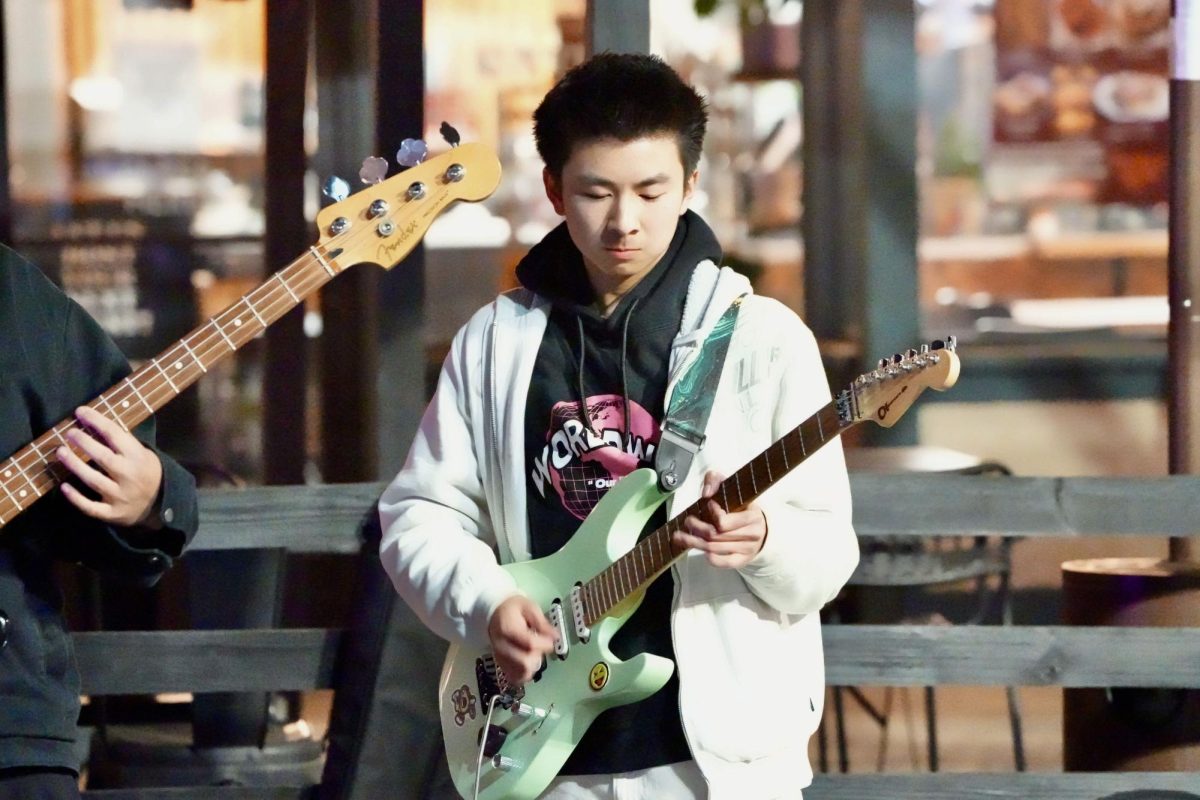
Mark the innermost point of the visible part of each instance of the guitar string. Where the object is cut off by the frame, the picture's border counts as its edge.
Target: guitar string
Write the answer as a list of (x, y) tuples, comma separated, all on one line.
[(154, 386), (608, 578)]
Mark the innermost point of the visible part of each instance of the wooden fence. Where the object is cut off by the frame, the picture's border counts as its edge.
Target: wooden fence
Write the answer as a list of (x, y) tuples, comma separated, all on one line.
[(365, 759)]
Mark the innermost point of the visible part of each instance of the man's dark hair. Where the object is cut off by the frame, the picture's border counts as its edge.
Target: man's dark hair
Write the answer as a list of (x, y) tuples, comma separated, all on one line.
[(623, 96)]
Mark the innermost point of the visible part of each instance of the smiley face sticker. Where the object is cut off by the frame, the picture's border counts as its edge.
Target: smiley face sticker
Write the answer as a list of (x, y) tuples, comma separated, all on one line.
[(598, 677)]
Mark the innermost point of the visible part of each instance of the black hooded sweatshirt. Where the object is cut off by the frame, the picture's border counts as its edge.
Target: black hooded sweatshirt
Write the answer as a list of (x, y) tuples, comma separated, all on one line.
[(593, 414), (53, 357)]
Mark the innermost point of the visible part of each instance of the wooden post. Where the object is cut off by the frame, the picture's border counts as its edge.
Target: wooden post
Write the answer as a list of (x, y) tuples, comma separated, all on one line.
[(1184, 256), (287, 235), (859, 68), (618, 26)]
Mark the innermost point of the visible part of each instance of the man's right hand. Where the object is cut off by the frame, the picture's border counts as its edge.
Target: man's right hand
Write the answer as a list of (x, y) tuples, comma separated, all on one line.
[(521, 636)]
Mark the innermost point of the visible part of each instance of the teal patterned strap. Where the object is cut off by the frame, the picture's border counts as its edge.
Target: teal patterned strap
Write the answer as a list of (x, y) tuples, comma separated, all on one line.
[(683, 432)]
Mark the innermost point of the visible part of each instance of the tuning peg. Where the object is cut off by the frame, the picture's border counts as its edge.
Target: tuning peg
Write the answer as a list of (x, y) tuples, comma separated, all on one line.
[(411, 152), (910, 353), (951, 343), (335, 189), (374, 169), (449, 134), (884, 363)]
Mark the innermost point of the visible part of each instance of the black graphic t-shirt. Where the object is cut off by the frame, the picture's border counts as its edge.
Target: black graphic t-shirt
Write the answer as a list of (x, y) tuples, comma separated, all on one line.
[(589, 422)]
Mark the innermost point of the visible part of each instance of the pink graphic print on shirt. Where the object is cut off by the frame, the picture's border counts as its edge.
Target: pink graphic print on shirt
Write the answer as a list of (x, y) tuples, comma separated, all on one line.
[(582, 466)]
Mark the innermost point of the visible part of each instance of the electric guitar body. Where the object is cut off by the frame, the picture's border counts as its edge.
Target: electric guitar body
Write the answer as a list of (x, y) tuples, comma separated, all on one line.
[(572, 691)]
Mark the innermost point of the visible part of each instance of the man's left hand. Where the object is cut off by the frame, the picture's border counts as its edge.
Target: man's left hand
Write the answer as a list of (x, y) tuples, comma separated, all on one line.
[(124, 473), (729, 539)]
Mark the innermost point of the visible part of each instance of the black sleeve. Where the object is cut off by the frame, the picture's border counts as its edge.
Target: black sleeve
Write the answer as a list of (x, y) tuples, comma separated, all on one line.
[(91, 363)]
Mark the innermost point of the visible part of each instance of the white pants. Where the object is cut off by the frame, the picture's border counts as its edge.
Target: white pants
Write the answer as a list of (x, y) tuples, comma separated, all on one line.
[(681, 781)]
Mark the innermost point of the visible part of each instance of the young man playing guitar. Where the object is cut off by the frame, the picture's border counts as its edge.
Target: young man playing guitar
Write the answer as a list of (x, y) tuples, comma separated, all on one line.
[(557, 390), (128, 510)]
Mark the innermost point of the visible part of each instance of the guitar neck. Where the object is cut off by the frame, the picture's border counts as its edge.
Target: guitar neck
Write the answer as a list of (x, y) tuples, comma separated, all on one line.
[(654, 555), (34, 470)]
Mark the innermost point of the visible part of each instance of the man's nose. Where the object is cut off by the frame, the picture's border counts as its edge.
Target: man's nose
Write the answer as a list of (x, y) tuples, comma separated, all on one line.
[(624, 218)]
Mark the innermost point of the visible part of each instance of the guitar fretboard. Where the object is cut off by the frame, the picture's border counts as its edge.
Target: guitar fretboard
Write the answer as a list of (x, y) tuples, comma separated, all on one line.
[(655, 553), (34, 470)]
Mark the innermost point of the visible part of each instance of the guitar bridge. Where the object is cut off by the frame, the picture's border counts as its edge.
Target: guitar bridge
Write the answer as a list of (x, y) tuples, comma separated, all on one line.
[(491, 681)]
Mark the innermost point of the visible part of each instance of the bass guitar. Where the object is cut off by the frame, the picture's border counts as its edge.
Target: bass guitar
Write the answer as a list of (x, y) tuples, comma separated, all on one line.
[(379, 224), (508, 741)]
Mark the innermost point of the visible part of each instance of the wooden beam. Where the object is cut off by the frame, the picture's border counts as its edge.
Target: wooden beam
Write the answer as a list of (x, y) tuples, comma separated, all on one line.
[(327, 518), (303, 519), (939, 655), (147, 662), (948, 505), (618, 26), (1021, 786), (286, 237), (205, 793)]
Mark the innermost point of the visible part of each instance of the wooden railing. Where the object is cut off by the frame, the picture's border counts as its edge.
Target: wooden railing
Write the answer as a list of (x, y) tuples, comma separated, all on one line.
[(351, 660)]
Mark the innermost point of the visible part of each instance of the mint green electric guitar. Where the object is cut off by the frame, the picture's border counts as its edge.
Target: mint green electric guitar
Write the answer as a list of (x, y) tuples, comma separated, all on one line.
[(505, 741)]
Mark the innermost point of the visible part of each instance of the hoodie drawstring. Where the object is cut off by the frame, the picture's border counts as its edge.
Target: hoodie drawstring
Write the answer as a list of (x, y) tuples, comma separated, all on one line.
[(584, 417)]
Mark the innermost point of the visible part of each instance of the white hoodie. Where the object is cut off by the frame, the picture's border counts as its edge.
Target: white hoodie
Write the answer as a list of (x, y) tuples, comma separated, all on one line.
[(747, 641)]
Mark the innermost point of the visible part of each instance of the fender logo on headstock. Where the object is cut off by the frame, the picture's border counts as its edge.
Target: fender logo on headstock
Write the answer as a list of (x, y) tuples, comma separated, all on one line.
[(386, 249), (886, 407)]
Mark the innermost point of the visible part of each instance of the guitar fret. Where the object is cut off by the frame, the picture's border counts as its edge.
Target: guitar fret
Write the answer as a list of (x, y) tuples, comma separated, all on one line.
[(800, 436), (783, 448), (322, 262), (254, 311), (820, 430), (4, 485), (112, 414), (170, 382), (221, 331), (195, 358), (22, 493), (738, 481), (767, 461), (753, 482), (138, 394), (286, 288)]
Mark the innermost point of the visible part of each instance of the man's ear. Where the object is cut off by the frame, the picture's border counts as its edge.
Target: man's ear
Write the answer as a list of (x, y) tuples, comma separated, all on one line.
[(553, 192), (689, 188)]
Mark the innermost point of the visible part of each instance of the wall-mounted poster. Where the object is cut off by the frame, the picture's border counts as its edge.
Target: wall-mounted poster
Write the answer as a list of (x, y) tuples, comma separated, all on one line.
[(1089, 70)]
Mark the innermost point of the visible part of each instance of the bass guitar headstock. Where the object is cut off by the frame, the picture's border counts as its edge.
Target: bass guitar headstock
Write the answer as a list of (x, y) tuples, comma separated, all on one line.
[(382, 223)]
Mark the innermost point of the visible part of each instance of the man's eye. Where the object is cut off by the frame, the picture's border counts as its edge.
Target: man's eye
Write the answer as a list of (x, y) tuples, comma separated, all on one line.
[(594, 195), (650, 198)]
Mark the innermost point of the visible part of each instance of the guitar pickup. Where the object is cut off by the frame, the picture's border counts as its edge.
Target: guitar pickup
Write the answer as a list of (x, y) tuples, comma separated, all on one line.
[(559, 621), (577, 616)]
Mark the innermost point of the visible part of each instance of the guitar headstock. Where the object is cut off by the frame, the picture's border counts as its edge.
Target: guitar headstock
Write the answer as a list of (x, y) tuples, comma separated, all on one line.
[(885, 393), (382, 223)]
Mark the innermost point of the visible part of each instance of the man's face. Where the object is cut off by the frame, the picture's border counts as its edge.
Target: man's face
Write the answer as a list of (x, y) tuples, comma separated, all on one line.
[(622, 202)]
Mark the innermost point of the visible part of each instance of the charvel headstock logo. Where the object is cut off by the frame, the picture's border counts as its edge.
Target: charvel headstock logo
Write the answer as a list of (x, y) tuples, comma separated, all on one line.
[(464, 705), (886, 407)]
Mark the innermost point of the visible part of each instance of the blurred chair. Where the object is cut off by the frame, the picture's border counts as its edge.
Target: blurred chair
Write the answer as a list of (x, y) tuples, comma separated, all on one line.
[(896, 565)]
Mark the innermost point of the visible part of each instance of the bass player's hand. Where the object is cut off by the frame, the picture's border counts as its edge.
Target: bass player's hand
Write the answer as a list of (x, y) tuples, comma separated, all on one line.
[(521, 636), (123, 472)]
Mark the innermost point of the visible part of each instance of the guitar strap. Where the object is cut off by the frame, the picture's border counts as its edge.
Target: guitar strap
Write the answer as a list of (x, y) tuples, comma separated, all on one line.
[(683, 431)]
